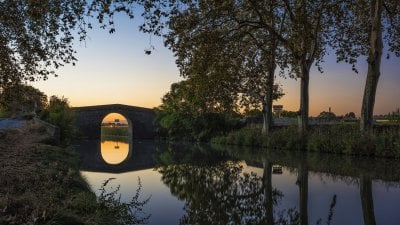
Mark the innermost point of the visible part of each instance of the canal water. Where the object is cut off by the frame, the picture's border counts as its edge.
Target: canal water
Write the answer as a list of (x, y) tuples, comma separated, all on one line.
[(203, 184)]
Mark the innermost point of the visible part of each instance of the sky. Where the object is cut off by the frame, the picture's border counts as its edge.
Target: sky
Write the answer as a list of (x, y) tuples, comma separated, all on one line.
[(113, 69), (110, 118)]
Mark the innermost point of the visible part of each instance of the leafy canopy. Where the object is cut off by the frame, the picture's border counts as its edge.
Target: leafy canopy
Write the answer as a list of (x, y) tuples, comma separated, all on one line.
[(37, 36)]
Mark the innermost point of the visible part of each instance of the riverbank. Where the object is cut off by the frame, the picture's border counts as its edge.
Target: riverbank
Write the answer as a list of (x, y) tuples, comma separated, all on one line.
[(346, 139), (41, 184)]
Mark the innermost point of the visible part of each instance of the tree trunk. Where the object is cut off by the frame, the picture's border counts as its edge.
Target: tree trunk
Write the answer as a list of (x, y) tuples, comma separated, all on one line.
[(304, 97), (367, 202), (267, 181), (302, 181), (267, 105), (374, 66)]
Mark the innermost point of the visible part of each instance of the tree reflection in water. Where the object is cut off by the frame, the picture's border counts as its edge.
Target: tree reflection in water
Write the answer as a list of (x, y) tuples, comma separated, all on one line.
[(302, 181), (367, 202), (219, 192)]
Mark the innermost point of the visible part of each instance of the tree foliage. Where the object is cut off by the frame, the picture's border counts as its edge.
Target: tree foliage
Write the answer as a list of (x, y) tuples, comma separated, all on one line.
[(363, 28), (60, 114), (21, 99), (350, 115), (327, 115), (253, 36), (239, 60), (188, 113), (37, 37), (353, 24), (290, 114)]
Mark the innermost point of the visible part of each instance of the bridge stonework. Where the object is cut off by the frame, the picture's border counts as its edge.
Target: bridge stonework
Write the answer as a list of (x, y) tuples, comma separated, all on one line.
[(89, 118)]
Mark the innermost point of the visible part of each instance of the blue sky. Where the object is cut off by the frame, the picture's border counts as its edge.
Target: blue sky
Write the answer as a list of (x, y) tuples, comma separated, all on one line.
[(113, 68)]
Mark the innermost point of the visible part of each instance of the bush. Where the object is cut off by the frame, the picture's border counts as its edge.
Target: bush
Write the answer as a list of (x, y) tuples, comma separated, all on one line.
[(285, 138), (332, 138), (189, 127), (20, 99), (339, 139), (59, 113)]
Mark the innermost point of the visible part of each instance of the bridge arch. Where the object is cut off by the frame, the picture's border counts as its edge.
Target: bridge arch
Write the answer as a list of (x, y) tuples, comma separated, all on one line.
[(109, 120), (88, 120)]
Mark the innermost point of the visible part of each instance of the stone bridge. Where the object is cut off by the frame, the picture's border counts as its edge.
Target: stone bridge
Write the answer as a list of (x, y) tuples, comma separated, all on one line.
[(89, 118)]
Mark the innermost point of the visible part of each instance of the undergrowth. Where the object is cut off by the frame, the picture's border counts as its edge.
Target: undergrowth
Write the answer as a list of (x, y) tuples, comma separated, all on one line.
[(41, 184), (383, 141)]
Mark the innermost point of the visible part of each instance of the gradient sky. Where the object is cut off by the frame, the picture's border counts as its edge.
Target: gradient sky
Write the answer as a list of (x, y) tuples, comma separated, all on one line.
[(114, 69)]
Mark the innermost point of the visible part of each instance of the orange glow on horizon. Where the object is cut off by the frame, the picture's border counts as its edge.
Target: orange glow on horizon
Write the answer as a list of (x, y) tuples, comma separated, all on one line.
[(110, 118)]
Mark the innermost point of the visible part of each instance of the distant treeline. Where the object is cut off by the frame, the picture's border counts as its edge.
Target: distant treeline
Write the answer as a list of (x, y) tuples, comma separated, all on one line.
[(114, 131)]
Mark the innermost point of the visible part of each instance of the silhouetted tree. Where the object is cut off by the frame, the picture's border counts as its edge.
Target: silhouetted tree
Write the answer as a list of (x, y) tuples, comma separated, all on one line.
[(284, 32), (37, 37), (327, 115), (215, 45), (350, 115), (362, 29)]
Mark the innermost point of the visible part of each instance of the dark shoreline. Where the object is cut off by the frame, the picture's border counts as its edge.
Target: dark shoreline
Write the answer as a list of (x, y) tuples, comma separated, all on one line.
[(40, 183)]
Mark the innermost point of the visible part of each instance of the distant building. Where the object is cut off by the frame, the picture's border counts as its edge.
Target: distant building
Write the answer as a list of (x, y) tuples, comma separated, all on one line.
[(277, 110)]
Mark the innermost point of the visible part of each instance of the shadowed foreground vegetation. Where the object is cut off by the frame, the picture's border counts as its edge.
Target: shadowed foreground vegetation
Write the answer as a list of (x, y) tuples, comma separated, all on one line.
[(41, 184)]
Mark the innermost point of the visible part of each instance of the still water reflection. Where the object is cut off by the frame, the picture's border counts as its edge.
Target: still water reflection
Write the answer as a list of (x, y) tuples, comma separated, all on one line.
[(114, 152), (193, 184)]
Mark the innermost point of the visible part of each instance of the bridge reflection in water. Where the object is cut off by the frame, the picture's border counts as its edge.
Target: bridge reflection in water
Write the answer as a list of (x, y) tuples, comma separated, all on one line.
[(115, 152), (116, 156), (194, 184)]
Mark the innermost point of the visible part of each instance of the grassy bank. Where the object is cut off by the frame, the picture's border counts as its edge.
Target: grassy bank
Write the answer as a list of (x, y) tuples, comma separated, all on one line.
[(115, 138), (41, 184), (384, 141), (114, 131)]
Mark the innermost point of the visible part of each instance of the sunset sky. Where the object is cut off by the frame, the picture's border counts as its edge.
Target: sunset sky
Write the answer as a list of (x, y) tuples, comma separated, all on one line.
[(114, 69)]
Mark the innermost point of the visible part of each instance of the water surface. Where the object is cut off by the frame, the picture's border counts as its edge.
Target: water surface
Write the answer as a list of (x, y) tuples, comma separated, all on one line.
[(196, 184)]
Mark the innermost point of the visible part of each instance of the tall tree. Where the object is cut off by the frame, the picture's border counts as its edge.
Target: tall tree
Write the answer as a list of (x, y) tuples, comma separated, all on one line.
[(308, 31), (363, 28), (286, 32), (210, 39)]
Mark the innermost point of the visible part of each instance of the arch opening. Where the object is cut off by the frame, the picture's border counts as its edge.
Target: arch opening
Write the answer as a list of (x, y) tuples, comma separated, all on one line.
[(116, 133)]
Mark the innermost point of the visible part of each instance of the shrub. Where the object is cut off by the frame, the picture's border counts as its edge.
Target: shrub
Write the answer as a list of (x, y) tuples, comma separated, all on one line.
[(338, 138), (59, 113), (187, 126), (20, 99)]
